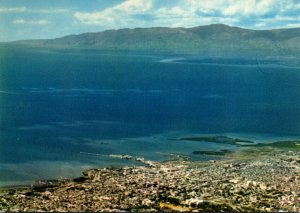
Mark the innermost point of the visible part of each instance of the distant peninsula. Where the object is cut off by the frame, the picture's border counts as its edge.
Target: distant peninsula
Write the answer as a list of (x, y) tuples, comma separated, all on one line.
[(210, 40)]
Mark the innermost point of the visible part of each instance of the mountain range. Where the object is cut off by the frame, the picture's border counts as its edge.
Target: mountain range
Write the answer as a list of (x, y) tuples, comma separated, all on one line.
[(212, 40)]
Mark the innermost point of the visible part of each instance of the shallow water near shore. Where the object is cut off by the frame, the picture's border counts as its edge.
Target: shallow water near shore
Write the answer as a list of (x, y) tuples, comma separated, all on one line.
[(94, 153), (57, 107)]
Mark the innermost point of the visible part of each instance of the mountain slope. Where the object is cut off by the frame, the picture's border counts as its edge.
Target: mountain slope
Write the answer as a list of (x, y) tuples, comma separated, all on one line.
[(216, 39)]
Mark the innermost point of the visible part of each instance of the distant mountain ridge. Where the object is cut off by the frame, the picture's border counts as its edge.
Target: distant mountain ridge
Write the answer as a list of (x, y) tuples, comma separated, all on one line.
[(215, 39)]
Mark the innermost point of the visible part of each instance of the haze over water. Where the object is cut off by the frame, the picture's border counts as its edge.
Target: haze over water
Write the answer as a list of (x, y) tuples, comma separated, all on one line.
[(55, 105)]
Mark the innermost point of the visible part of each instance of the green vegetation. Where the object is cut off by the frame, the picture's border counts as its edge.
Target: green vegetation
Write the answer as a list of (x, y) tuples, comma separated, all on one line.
[(4, 190), (216, 40), (290, 145), (221, 152), (170, 199)]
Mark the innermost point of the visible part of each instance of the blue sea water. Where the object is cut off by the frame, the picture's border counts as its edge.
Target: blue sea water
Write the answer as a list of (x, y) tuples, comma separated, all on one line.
[(57, 104)]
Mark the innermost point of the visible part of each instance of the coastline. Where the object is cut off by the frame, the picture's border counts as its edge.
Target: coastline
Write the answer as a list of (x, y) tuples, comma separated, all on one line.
[(155, 147), (254, 179)]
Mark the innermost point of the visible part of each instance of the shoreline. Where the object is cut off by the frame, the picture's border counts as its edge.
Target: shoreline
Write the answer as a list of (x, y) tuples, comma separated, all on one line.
[(239, 182), (157, 147)]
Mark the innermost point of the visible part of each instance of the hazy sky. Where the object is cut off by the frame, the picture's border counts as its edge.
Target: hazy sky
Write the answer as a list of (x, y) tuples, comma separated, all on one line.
[(25, 19)]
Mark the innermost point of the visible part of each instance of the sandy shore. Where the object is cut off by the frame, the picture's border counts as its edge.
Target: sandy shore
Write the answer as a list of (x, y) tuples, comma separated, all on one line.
[(253, 180)]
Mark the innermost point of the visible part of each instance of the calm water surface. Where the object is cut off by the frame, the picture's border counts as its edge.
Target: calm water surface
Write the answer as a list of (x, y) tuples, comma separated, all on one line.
[(55, 105)]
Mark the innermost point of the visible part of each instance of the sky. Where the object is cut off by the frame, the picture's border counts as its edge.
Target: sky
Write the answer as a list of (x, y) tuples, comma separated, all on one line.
[(35, 19)]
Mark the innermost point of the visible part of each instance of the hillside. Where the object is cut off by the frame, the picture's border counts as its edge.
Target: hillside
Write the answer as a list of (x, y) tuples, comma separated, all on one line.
[(216, 39)]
